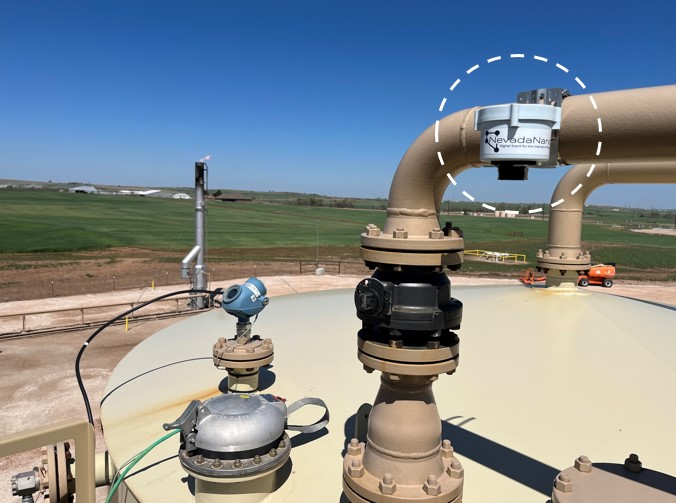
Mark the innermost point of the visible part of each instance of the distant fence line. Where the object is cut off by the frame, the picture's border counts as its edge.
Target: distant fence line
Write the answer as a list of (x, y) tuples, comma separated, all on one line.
[(160, 277), (34, 322), (77, 317)]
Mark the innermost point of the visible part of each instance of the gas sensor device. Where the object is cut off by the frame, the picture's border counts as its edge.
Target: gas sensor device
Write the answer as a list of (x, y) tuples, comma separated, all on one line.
[(245, 301), (244, 355), (518, 135)]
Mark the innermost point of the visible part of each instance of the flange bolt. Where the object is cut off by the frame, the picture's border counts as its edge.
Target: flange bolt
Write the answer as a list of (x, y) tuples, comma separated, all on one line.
[(432, 486), (387, 485), (455, 471), (356, 469), (563, 483), (446, 449), (583, 464), (355, 448)]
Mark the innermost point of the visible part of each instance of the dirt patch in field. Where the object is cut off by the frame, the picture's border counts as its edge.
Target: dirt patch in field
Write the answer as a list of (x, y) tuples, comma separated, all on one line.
[(46, 275), (40, 276)]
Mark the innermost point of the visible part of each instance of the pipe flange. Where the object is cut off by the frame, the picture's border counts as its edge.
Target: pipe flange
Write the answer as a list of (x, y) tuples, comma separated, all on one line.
[(205, 465), (56, 475), (395, 351), (566, 264), (450, 259), (587, 483), (361, 486), (401, 241), (410, 369), (230, 354), (395, 358)]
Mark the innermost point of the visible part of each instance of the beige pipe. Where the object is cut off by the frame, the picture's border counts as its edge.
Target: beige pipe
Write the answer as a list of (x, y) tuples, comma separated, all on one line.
[(85, 442), (564, 251), (420, 181), (637, 125)]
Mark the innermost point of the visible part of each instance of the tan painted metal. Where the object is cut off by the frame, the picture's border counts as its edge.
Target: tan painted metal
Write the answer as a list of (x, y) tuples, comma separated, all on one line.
[(251, 491), (403, 458), (77, 429), (564, 255), (636, 125), (104, 469), (618, 483), (243, 357), (575, 377)]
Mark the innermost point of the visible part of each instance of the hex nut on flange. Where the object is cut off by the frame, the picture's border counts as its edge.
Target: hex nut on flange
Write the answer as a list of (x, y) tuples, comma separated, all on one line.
[(400, 233), (432, 486), (563, 483), (583, 464), (455, 470), (387, 484), (355, 469), (446, 449), (372, 230), (355, 448), (436, 233)]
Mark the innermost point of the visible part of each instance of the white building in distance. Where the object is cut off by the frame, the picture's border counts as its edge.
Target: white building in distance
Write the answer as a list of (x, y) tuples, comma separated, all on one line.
[(83, 189)]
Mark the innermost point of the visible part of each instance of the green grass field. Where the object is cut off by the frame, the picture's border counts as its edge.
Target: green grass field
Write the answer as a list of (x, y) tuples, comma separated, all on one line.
[(43, 221), (60, 222)]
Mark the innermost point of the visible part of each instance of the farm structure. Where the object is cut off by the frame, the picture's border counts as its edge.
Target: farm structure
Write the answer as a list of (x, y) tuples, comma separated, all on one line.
[(234, 198), (83, 189)]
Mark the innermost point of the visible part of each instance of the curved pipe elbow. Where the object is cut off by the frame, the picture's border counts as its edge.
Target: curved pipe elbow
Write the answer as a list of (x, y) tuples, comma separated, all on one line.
[(418, 186), (189, 258), (632, 125), (565, 220)]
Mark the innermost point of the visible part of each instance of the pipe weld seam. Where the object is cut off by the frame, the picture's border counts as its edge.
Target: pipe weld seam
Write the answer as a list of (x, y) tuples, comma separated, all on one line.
[(403, 455), (407, 212)]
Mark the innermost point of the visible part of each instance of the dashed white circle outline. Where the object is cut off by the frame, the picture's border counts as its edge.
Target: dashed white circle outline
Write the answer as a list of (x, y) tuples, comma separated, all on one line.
[(517, 56)]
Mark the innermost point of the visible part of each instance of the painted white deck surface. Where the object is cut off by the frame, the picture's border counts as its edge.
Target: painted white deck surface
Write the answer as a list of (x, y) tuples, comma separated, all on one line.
[(543, 378)]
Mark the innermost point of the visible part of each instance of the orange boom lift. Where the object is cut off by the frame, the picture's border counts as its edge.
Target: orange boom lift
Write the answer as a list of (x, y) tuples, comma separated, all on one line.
[(600, 274)]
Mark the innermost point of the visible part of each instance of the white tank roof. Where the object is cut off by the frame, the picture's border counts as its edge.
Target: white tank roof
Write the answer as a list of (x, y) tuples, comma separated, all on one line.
[(544, 376)]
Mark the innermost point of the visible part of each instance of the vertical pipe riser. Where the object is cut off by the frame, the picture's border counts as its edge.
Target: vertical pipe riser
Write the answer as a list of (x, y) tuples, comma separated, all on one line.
[(200, 209), (404, 432)]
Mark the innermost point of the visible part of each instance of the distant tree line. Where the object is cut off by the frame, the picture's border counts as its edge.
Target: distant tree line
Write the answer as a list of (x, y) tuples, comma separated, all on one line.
[(321, 201)]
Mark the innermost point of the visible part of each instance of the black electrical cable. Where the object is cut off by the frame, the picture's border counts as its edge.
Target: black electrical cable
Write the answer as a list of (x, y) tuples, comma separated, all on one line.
[(78, 375)]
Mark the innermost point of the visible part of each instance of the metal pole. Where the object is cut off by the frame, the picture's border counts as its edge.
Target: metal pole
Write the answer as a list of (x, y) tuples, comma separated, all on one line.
[(200, 210), (317, 244)]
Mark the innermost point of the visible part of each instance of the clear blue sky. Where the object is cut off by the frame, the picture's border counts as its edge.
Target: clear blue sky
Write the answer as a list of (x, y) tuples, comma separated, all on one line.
[(315, 96)]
